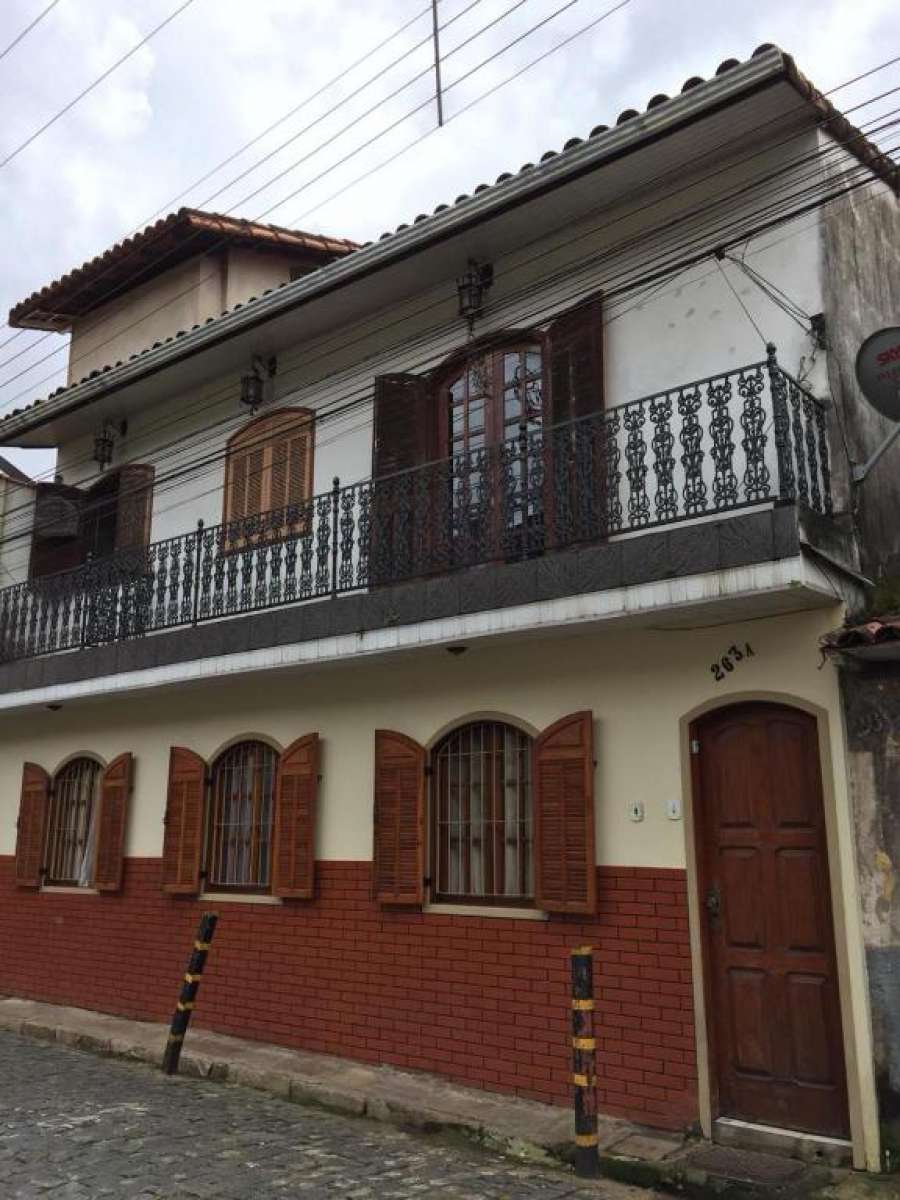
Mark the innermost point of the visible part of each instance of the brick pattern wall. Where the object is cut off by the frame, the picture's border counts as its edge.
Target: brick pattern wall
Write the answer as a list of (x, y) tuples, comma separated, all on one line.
[(484, 1002)]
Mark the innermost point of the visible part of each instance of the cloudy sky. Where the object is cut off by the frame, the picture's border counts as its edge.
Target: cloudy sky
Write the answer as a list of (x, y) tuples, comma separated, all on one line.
[(152, 136)]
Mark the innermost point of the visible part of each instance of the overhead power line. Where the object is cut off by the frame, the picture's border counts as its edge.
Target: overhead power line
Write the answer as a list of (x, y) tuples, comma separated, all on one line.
[(159, 235), (28, 28), (94, 84), (201, 466), (830, 150)]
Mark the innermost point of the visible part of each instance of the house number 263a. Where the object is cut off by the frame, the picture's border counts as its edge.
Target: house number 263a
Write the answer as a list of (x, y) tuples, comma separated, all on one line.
[(729, 660)]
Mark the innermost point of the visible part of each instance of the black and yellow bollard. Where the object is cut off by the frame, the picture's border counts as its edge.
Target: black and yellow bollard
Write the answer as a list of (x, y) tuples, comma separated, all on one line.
[(189, 986), (584, 1069)]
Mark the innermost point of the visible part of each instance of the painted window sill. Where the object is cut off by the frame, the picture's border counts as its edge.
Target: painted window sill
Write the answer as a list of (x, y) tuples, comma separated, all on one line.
[(486, 910), (61, 890), (240, 898)]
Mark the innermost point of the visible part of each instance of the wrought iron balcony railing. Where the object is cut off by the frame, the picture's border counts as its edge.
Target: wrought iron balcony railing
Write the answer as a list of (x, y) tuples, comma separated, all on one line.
[(742, 438)]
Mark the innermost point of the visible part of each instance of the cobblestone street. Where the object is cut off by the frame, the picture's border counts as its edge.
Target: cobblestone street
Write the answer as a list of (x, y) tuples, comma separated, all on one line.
[(77, 1127)]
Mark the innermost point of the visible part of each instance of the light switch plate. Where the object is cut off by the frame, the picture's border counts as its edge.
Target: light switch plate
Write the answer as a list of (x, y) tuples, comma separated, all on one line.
[(636, 811), (673, 809)]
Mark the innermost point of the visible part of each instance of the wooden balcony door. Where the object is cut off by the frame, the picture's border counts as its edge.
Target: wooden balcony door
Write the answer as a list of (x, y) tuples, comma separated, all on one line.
[(776, 1046)]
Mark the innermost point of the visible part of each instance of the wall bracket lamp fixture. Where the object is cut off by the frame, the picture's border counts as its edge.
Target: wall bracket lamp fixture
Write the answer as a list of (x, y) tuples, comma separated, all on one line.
[(253, 383), (472, 287)]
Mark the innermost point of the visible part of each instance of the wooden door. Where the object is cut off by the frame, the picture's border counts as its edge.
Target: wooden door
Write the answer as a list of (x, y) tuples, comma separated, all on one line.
[(776, 1047)]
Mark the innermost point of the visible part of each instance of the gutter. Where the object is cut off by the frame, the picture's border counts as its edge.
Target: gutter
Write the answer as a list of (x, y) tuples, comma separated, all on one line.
[(756, 73)]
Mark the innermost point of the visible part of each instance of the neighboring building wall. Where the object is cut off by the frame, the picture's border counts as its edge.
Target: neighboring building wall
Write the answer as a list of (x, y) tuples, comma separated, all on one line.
[(871, 695), (16, 520), (860, 236), (481, 999)]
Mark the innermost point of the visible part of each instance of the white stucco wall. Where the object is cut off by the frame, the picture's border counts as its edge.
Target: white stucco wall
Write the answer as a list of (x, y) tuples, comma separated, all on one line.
[(156, 309), (675, 332)]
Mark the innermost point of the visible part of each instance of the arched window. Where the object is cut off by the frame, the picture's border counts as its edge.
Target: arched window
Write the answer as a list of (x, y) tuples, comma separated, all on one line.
[(269, 464), (482, 815), (72, 828), (239, 825)]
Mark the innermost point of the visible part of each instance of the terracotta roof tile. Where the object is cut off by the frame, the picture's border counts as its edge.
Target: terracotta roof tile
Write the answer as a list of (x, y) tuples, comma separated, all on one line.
[(160, 246)]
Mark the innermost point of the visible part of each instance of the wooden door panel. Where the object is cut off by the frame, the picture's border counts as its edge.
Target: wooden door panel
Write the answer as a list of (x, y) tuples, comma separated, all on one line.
[(741, 873), (749, 1011), (812, 1028), (776, 1046), (801, 901)]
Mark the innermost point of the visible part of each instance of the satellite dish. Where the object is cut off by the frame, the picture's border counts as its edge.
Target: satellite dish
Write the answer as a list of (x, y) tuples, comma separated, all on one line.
[(878, 371), (878, 374)]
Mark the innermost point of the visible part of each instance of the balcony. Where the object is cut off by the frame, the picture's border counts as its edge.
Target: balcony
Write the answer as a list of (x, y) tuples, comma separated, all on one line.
[(748, 438)]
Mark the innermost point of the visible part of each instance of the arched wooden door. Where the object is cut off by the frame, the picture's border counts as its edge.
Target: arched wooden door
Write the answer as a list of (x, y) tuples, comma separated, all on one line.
[(775, 1041)]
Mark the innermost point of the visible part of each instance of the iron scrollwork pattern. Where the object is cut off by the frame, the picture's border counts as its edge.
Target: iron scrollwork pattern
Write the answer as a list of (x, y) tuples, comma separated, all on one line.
[(665, 458)]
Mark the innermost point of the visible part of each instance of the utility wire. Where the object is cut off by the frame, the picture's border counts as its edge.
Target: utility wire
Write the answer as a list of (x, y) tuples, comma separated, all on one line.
[(828, 150), (191, 469), (833, 148), (28, 28), (292, 166), (870, 72), (168, 205), (95, 84)]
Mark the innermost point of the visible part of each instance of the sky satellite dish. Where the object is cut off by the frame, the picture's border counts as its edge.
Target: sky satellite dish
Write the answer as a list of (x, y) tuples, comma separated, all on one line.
[(878, 375), (878, 371)]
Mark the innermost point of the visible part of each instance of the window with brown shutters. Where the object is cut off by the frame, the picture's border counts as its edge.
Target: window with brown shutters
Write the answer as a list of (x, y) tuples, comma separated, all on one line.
[(575, 353), (565, 872), (183, 835), (269, 469), (115, 792), (576, 499), (73, 524), (399, 819), (294, 835), (240, 818), (34, 812), (56, 535), (482, 815), (72, 829)]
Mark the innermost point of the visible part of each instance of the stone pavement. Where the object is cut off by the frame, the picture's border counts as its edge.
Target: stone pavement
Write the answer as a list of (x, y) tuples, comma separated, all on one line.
[(77, 1127)]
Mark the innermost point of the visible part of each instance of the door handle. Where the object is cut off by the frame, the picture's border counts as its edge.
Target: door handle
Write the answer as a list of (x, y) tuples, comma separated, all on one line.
[(713, 902)]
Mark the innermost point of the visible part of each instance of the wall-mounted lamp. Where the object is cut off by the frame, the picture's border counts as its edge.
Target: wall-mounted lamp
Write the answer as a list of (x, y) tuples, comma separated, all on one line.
[(471, 288), (253, 384), (104, 440)]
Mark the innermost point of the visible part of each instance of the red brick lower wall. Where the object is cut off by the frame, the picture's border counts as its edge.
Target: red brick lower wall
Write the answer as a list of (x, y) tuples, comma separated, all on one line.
[(484, 1002)]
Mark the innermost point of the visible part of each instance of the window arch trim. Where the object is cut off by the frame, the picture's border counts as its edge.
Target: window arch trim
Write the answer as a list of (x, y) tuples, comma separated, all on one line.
[(489, 343)]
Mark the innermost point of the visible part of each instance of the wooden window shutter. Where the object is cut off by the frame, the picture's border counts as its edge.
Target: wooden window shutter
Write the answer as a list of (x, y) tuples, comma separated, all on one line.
[(399, 844), (135, 506), (269, 464), (405, 428), (183, 838), (34, 813), (565, 870), (56, 542), (576, 362), (115, 791), (294, 834)]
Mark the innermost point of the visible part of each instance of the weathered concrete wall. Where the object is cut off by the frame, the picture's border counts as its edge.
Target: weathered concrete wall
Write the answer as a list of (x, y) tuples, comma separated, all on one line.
[(872, 703), (861, 235)]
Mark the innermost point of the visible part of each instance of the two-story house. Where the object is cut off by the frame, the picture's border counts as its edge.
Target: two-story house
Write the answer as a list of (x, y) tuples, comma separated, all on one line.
[(430, 607)]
